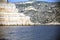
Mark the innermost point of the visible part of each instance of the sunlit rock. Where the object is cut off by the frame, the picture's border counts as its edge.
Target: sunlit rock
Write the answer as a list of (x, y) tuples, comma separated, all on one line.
[(9, 15)]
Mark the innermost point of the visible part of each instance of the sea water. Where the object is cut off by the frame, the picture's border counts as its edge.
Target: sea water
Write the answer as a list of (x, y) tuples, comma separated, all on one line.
[(30, 32)]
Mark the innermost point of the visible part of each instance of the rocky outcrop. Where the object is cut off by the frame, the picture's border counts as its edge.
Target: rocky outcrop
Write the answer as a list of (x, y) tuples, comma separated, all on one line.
[(9, 15), (46, 12), (27, 13)]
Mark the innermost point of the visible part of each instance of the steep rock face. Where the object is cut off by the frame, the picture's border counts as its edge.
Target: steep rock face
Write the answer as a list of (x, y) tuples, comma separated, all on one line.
[(29, 13), (3, 0), (40, 12), (8, 8), (9, 15)]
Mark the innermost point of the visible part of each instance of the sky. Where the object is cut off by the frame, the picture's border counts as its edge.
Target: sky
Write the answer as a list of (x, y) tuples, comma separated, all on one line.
[(37, 0)]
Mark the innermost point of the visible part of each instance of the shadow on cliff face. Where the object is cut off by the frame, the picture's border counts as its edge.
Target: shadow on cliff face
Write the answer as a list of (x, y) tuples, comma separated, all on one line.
[(58, 12)]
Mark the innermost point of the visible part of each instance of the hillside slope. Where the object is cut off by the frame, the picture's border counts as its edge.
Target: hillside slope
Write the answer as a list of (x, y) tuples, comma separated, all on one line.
[(40, 12)]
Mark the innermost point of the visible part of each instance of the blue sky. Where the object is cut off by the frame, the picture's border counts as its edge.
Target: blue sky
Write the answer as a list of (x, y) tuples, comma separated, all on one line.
[(38, 0)]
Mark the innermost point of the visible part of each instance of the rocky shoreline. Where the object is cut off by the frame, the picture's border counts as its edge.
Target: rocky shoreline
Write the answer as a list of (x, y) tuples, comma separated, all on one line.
[(29, 13)]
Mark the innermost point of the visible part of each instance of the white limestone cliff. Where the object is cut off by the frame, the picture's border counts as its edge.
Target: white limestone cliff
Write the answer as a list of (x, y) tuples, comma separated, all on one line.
[(9, 15)]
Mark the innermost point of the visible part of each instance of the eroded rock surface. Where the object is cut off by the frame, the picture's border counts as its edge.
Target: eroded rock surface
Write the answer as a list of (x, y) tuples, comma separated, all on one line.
[(40, 12)]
